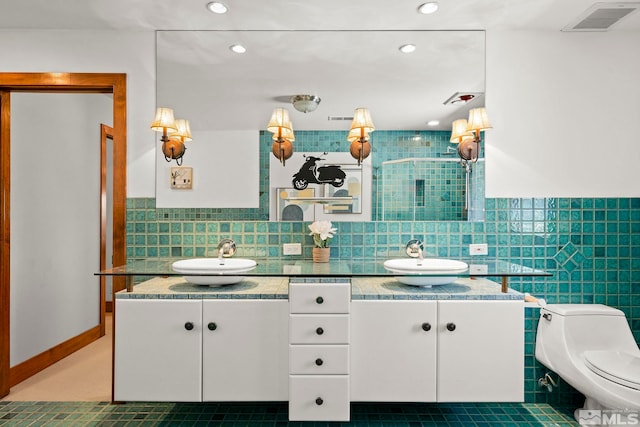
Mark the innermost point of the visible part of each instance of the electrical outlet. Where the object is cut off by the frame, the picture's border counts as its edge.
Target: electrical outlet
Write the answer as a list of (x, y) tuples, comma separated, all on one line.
[(291, 249), (478, 249)]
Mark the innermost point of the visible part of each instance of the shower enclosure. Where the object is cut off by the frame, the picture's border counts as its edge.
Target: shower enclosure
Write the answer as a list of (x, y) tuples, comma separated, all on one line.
[(431, 189)]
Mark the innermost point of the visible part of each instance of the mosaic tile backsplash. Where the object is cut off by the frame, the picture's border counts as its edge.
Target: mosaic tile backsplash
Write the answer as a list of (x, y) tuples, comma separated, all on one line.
[(591, 245)]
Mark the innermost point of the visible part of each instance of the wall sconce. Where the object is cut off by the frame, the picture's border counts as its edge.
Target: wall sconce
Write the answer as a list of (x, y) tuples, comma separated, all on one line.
[(173, 148), (466, 133), (361, 127), (177, 140), (282, 129)]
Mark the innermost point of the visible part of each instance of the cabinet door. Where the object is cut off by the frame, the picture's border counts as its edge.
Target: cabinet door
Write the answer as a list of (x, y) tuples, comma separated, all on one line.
[(480, 351), (245, 355), (393, 358), (158, 348)]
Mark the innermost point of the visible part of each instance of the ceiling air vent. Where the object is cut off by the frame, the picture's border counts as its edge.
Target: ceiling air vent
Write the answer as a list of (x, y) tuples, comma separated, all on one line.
[(602, 16), (339, 118)]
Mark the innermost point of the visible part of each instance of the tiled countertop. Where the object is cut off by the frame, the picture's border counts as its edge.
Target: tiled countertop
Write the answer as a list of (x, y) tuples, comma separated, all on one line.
[(369, 288), (382, 288), (178, 288)]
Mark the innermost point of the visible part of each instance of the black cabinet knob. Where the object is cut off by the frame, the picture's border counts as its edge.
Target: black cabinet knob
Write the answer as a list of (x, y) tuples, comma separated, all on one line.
[(319, 401), (319, 331), (319, 362), (188, 326), (451, 326), (319, 300), (426, 326), (212, 326)]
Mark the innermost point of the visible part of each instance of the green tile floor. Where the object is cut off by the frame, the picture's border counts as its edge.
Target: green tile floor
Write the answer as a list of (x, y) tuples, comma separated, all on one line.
[(275, 414)]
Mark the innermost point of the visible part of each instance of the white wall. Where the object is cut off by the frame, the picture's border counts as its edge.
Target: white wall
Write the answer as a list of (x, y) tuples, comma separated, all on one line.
[(55, 218), (565, 112), (226, 172), (132, 53)]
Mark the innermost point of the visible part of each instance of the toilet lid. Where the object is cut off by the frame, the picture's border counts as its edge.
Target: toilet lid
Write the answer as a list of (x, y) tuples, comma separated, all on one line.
[(618, 366)]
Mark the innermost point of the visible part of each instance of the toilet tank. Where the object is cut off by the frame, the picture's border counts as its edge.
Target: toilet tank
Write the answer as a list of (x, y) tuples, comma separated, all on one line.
[(571, 329)]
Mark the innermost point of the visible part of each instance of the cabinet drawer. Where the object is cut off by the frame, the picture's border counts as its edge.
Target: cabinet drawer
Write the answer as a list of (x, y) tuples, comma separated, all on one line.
[(319, 398), (319, 329), (318, 359), (319, 297)]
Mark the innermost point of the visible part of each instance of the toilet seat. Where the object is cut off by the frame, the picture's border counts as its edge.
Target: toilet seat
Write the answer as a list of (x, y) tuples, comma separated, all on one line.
[(618, 366)]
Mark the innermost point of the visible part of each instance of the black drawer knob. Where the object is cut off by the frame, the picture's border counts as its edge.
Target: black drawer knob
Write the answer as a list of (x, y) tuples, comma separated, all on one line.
[(319, 362), (319, 300), (319, 331), (451, 327), (212, 326), (188, 326), (426, 326), (319, 401)]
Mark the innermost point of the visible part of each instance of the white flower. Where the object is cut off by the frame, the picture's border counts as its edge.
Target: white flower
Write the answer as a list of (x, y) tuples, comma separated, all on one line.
[(322, 232)]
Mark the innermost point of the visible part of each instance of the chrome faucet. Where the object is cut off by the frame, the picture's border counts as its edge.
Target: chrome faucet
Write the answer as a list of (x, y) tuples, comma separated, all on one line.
[(226, 249), (414, 250)]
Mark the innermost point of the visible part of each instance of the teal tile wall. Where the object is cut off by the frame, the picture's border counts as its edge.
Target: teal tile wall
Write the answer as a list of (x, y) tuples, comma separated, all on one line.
[(591, 245)]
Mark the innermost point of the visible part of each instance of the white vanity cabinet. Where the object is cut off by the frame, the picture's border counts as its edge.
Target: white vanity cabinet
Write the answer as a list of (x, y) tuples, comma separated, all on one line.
[(393, 351), (480, 351), (319, 351), (201, 350), (437, 351), (158, 350), (244, 347)]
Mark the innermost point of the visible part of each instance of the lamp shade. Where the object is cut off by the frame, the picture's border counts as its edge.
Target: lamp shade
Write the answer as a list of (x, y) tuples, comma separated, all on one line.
[(478, 120), (287, 133), (183, 131), (163, 120), (362, 120), (459, 131), (354, 135), (279, 121)]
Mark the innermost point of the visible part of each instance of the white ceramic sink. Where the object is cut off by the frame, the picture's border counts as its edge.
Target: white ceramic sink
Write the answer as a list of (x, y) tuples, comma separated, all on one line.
[(426, 272), (225, 272)]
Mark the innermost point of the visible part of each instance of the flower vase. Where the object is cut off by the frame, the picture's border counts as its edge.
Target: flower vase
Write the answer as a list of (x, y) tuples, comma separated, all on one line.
[(321, 254)]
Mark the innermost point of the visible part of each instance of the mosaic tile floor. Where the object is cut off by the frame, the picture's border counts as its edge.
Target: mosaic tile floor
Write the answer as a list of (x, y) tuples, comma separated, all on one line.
[(275, 414)]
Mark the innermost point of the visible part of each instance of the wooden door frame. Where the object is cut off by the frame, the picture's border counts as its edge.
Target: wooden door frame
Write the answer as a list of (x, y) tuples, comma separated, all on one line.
[(106, 132), (114, 83)]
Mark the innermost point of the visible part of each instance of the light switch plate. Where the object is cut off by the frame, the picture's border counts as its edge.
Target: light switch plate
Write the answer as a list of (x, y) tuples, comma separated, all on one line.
[(478, 249), (291, 249)]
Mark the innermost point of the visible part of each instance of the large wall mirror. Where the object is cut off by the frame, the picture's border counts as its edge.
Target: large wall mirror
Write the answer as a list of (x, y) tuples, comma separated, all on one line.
[(220, 91)]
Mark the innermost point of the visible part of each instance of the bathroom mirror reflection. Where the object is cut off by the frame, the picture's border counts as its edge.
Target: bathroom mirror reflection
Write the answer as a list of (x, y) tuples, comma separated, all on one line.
[(416, 174)]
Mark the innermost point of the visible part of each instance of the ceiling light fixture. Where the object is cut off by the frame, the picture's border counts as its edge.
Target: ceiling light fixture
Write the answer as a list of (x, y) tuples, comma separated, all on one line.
[(428, 8), (238, 48), (407, 48), (433, 122), (305, 103), (217, 7)]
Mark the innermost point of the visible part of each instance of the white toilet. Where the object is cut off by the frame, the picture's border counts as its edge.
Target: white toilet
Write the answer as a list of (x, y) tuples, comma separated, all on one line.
[(591, 347)]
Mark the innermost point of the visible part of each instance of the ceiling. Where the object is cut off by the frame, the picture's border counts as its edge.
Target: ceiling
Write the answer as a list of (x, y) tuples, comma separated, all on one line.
[(296, 14), (312, 55)]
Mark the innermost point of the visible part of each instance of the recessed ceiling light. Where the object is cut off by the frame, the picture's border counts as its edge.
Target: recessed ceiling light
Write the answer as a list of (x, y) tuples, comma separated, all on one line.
[(428, 8), (238, 48), (407, 48), (433, 123), (217, 7)]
